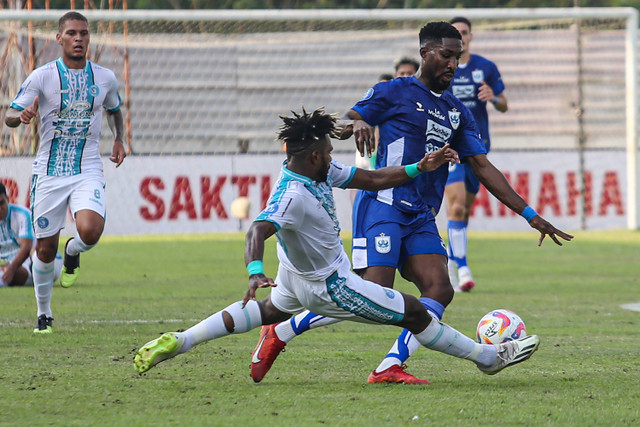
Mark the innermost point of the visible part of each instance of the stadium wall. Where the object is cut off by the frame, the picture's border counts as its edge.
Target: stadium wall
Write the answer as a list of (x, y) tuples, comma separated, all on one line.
[(193, 194)]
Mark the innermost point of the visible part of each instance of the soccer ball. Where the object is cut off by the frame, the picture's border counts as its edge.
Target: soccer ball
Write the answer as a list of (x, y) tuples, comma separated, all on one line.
[(499, 326)]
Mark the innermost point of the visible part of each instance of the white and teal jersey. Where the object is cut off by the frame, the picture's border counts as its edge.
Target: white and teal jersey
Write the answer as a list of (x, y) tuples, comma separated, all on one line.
[(304, 214), (71, 102), (16, 226)]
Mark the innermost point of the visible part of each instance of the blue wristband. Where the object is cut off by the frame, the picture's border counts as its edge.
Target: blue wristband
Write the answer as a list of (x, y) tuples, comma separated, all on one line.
[(255, 267), (495, 100), (412, 170), (528, 213)]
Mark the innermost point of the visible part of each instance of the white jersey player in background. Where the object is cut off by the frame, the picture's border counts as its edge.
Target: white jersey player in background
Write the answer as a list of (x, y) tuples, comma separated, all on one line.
[(70, 94), (314, 271)]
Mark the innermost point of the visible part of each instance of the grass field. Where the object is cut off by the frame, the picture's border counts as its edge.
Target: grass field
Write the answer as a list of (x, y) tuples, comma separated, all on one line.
[(586, 373)]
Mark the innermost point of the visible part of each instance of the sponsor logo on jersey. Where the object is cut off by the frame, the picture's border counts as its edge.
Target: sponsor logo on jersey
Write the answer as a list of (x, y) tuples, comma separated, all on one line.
[(463, 91), (438, 132), (419, 107), (59, 91), (383, 244), (477, 76), (454, 118), (461, 79), (435, 113), (367, 95), (42, 222)]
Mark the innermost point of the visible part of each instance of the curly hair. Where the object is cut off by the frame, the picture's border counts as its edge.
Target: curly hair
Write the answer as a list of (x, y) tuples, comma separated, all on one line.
[(434, 32), (301, 131)]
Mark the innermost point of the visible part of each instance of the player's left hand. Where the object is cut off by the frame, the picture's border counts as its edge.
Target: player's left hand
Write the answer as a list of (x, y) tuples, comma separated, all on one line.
[(118, 154), (432, 161), (8, 273), (257, 281), (545, 227), (485, 93)]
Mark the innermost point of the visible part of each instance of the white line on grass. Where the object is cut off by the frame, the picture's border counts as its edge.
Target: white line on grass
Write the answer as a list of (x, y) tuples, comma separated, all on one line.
[(115, 322), (634, 306)]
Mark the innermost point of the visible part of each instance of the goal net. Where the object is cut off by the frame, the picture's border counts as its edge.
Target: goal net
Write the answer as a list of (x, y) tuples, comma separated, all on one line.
[(214, 82)]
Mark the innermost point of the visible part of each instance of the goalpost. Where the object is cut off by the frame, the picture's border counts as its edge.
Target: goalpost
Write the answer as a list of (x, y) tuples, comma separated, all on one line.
[(214, 81)]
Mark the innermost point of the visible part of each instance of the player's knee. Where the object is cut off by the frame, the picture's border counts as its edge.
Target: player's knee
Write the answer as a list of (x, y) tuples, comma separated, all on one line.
[(457, 212), (90, 236), (416, 317), (46, 251)]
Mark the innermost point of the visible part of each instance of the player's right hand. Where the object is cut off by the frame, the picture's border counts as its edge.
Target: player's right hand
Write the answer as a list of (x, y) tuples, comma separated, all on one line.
[(29, 112), (365, 137), (257, 281)]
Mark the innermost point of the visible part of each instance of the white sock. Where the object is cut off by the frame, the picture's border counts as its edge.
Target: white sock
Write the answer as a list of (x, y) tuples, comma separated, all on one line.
[(244, 320), (300, 323), (76, 245), (43, 284), (441, 337)]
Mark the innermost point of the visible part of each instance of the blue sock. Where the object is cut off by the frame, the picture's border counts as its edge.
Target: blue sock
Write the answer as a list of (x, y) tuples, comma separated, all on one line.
[(433, 306), (457, 232), (300, 325)]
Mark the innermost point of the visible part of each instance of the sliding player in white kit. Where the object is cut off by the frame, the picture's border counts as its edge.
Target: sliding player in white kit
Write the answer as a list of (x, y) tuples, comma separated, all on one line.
[(67, 173), (314, 271)]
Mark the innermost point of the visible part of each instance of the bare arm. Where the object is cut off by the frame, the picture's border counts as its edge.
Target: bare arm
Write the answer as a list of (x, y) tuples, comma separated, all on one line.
[(116, 124), (486, 94), (498, 185), (254, 251), (395, 175), (14, 116)]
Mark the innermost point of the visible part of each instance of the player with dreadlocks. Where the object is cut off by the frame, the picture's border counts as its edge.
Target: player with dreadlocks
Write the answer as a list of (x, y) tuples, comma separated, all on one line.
[(314, 271)]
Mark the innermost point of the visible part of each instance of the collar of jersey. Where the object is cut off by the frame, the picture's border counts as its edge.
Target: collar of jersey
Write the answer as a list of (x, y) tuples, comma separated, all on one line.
[(295, 176), (415, 81), (64, 66)]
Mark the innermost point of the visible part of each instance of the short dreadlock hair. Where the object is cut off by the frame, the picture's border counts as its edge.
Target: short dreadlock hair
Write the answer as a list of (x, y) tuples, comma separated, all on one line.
[(303, 130), (434, 32)]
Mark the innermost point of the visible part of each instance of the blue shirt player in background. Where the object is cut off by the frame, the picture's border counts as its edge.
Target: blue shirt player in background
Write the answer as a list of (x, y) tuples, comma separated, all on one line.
[(477, 82), (395, 229)]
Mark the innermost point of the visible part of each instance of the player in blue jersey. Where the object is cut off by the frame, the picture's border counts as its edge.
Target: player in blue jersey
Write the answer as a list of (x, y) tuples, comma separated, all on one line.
[(395, 229), (314, 271), (69, 94), (477, 82)]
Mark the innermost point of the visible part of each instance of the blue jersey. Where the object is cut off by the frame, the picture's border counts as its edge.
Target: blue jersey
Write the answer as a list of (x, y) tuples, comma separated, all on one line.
[(413, 120), (466, 83)]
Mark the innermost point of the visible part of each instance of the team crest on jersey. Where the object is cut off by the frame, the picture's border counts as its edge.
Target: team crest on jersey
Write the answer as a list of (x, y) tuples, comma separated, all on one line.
[(383, 244), (94, 90), (454, 118), (389, 293), (42, 222), (478, 76), (367, 95)]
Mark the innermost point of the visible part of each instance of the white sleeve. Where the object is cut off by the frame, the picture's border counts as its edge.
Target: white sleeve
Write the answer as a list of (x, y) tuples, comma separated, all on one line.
[(30, 88), (112, 100), (341, 174), (286, 212)]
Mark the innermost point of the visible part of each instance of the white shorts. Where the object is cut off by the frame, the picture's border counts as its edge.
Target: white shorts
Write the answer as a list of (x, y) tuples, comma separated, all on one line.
[(51, 195), (57, 269), (343, 295)]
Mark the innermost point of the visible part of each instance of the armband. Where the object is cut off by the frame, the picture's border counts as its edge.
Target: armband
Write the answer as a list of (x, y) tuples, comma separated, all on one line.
[(412, 170), (255, 267), (528, 213)]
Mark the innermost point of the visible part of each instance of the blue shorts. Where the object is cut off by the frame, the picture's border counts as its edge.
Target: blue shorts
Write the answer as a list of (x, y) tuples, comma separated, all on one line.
[(462, 172), (385, 236)]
